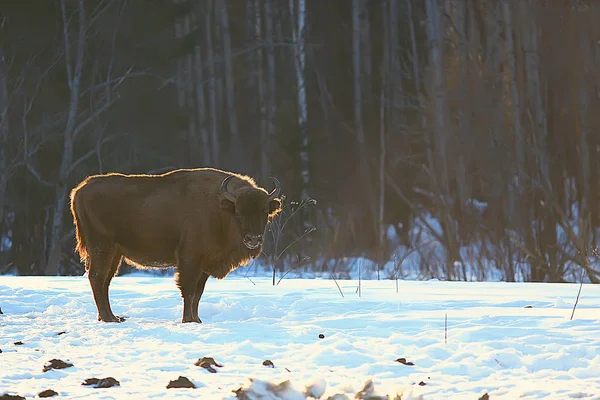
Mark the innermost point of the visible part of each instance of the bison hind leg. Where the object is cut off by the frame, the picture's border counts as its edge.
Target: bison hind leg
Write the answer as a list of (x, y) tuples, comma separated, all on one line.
[(102, 265)]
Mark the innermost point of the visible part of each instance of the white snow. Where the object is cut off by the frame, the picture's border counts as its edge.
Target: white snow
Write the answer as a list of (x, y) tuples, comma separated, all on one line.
[(495, 343)]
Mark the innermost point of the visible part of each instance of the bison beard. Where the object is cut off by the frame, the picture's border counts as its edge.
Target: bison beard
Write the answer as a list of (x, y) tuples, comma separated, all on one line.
[(204, 221)]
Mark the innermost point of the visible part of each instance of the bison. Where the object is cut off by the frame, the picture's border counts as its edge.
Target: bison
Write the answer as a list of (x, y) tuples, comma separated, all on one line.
[(204, 221)]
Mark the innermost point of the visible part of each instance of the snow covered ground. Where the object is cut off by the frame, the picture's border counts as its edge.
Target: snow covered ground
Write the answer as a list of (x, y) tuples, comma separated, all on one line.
[(509, 340)]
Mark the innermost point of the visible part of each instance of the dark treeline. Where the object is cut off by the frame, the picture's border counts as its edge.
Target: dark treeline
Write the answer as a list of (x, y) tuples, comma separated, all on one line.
[(462, 131)]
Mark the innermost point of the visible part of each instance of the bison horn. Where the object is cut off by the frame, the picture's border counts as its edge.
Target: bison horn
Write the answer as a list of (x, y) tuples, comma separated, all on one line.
[(275, 192), (224, 190)]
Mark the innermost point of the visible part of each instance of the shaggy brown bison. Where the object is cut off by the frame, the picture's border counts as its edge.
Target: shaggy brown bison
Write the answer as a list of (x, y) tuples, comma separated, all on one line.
[(204, 221)]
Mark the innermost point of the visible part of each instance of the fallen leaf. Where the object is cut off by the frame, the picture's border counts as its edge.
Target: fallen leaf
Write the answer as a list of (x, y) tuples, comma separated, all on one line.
[(47, 393), (107, 382), (11, 397), (402, 360), (181, 382), (19, 343), (56, 364), (102, 383), (208, 363), (268, 363)]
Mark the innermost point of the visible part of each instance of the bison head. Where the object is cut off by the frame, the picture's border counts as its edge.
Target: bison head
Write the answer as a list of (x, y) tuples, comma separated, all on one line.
[(252, 209)]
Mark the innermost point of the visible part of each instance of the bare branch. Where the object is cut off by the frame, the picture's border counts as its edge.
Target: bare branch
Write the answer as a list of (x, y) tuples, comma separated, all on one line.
[(94, 115), (90, 153), (37, 175), (66, 22)]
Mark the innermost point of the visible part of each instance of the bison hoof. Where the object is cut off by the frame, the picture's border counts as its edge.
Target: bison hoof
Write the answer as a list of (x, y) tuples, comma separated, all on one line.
[(112, 318), (196, 320)]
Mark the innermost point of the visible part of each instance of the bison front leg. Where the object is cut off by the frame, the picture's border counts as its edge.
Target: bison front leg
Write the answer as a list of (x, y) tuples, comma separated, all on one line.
[(188, 281), (198, 295)]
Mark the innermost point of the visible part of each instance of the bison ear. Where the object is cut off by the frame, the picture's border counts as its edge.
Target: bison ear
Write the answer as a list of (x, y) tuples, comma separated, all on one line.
[(274, 207), (228, 205)]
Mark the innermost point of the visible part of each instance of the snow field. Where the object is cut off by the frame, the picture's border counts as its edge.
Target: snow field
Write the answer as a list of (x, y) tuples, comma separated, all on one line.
[(510, 340)]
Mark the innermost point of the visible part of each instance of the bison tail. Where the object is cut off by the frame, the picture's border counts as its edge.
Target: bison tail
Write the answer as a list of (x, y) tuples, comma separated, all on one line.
[(80, 220)]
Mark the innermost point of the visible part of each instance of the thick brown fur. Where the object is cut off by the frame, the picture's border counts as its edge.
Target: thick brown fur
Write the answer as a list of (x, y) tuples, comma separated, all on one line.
[(179, 219)]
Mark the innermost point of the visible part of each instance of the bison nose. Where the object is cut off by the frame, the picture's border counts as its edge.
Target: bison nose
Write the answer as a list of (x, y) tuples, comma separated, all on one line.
[(253, 241)]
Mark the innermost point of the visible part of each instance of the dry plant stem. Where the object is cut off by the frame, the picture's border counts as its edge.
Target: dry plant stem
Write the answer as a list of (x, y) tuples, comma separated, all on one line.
[(446, 329), (338, 285), (277, 229), (359, 280), (595, 253), (578, 293)]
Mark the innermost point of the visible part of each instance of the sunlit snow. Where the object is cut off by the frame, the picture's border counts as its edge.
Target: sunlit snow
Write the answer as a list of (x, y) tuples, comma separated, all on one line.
[(509, 340)]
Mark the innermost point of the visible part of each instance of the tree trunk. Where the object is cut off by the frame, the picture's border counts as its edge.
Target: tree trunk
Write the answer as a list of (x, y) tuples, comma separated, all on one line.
[(235, 144), (201, 106), (394, 71), (249, 28), (262, 103), (415, 63), (271, 73), (4, 129), (299, 37), (193, 150), (185, 93), (534, 90), (74, 75), (512, 76), (382, 142), (212, 90), (438, 162), (356, 62), (365, 44), (438, 90)]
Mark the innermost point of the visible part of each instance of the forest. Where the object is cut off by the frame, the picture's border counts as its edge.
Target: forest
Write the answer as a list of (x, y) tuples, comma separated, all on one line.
[(456, 137)]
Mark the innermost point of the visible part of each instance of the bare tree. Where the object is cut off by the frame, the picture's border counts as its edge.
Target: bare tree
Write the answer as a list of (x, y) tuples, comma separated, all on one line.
[(74, 68), (382, 141), (76, 121)]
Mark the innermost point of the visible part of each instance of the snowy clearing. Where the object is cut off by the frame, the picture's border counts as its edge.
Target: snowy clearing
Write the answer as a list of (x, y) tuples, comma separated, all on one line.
[(509, 340)]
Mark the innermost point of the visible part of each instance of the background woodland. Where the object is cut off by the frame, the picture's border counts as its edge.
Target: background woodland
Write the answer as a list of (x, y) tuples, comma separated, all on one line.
[(460, 134)]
